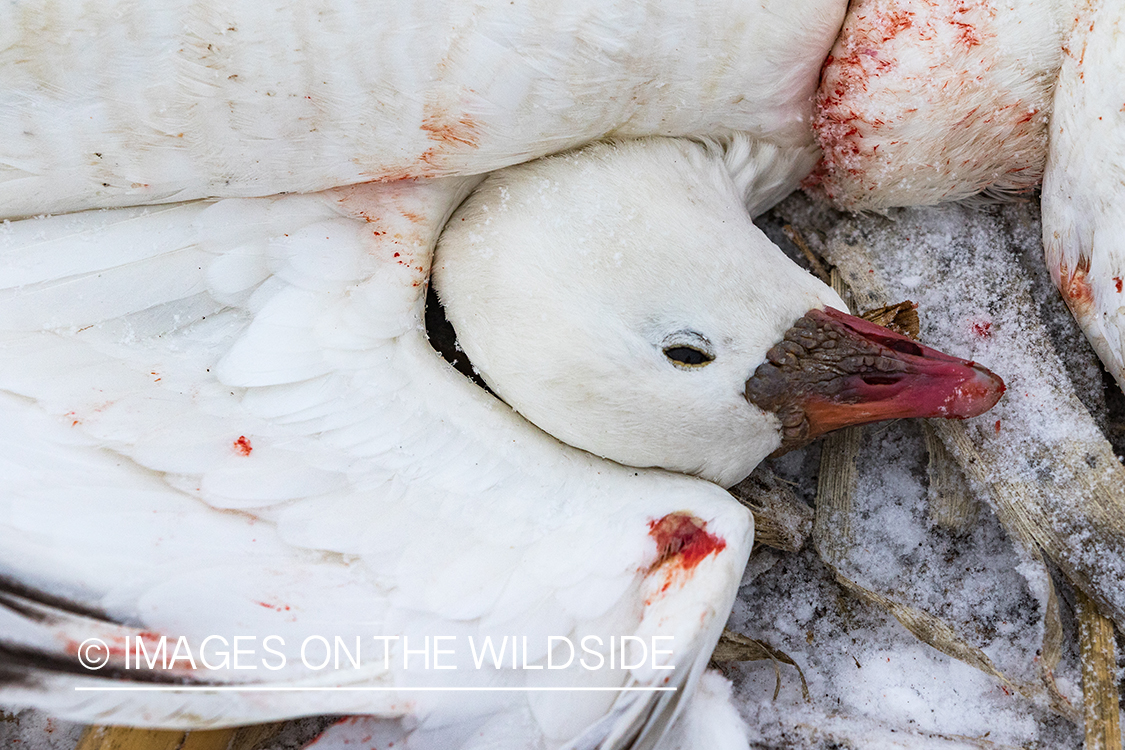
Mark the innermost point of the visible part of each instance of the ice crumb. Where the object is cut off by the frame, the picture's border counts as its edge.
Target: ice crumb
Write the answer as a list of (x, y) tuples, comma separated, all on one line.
[(911, 282)]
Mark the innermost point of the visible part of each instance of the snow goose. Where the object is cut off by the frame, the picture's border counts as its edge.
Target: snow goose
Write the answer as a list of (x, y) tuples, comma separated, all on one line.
[(1084, 186), (223, 420), (114, 103)]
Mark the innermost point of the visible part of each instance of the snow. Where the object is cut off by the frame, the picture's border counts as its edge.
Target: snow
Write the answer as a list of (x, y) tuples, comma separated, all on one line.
[(977, 274), (31, 730), (867, 674)]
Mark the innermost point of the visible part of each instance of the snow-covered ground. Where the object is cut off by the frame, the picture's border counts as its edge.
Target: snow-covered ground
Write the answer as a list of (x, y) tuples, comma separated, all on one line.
[(872, 684)]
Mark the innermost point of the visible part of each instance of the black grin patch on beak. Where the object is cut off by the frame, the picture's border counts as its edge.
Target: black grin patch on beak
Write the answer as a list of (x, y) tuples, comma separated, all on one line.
[(833, 370)]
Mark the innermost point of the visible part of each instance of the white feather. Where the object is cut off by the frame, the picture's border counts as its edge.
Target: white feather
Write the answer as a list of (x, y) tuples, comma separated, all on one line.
[(121, 103), (1084, 187), (299, 462), (928, 102)]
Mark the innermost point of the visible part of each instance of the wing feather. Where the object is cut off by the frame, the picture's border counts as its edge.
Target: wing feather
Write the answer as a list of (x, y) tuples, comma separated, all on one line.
[(259, 439), (106, 103)]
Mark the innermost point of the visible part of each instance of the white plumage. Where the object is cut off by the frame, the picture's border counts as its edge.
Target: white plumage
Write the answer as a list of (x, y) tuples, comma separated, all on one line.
[(927, 102), (1084, 186), (263, 442), (559, 265), (123, 103), (267, 358)]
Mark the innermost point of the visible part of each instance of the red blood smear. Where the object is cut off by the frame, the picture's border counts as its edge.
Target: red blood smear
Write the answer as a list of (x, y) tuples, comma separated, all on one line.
[(450, 130), (242, 446), (1076, 289), (684, 538)]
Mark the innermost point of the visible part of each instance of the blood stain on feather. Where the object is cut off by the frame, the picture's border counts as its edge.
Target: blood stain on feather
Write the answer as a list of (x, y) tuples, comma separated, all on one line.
[(242, 446), (442, 127), (682, 539), (1076, 289)]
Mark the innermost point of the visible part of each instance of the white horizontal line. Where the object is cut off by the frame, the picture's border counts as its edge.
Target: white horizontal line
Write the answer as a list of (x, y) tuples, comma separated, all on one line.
[(291, 689)]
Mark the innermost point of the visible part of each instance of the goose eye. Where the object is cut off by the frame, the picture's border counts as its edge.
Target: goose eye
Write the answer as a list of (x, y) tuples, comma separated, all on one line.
[(687, 356)]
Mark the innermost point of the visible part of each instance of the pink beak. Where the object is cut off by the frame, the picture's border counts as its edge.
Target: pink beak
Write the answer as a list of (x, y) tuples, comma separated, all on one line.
[(834, 370)]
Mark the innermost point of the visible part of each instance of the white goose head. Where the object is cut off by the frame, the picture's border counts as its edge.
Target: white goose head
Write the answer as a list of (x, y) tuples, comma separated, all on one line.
[(621, 299)]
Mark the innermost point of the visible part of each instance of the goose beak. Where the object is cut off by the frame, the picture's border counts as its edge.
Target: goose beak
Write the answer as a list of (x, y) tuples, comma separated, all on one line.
[(834, 370)]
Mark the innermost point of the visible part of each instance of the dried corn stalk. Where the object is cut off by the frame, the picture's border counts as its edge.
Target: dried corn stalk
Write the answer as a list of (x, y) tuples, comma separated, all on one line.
[(1051, 476), (952, 503), (734, 646), (1099, 677), (781, 519), (131, 738), (1062, 489)]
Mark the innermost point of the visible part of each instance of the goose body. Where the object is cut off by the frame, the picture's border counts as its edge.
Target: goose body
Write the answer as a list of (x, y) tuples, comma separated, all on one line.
[(226, 420), (119, 103), (1084, 186), (921, 103)]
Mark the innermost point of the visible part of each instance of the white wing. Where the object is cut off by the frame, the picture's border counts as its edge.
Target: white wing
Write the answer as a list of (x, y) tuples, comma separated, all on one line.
[(1084, 186), (118, 103), (224, 419)]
